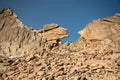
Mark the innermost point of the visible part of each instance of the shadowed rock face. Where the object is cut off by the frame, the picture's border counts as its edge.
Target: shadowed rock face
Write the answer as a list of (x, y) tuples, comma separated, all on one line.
[(16, 39), (28, 54)]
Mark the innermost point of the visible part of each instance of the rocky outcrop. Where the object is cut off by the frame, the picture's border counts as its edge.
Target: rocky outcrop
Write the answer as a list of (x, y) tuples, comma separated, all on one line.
[(53, 33), (106, 31), (95, 56), (16, 39), (107, 28)]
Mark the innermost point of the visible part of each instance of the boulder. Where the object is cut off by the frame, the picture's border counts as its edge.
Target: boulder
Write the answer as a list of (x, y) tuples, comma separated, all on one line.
[(48, 27), (106, 29), (102, 29), (55, 33)]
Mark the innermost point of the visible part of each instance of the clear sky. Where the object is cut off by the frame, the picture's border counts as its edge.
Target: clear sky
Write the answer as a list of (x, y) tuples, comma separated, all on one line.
[(70, 14)]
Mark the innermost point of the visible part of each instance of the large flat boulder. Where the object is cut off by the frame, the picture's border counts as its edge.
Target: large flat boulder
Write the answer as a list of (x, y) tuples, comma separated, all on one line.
[(102, 29)]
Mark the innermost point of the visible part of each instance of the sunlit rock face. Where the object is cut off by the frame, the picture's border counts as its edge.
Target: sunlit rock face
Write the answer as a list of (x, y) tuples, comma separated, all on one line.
[(28, 54), (106, 30), (102, 29), (52, 32), (16, 39)]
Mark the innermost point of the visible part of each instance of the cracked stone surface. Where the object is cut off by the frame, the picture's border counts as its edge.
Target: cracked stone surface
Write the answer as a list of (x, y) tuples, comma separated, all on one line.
[(95, 56), (16, 39)]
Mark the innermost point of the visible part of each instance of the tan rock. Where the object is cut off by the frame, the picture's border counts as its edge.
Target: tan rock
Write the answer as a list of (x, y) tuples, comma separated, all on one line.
[(102, 29), (55, 34), (49, 27), (59, 78), (17, 40), (40, 73), (106, 30), (92, 59)]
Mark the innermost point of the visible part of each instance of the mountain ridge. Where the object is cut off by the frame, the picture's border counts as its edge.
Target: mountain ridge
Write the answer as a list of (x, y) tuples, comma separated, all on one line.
[(28, 54), (24, 39)]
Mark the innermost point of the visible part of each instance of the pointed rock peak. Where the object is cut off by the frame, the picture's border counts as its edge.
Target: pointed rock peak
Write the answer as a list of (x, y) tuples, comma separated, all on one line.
[(16, 39), (6, 11)]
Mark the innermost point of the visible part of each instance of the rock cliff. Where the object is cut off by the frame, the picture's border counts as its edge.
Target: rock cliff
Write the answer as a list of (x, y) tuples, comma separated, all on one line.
[(16, 39), (28, 54)]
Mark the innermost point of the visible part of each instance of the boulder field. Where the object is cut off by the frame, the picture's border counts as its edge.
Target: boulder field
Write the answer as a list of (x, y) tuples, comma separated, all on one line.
[(29, 54)]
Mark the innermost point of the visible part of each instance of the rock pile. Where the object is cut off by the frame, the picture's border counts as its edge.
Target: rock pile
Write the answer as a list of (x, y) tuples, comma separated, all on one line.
[(17, 39), (95, 56)]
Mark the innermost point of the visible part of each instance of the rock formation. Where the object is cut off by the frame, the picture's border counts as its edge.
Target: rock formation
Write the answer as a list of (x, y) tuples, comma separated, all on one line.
[(106, 31), (95, 56), (17, 39), (53, 33)]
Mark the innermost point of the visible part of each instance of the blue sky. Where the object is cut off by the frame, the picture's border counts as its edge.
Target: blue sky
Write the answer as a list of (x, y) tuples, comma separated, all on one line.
[(70, 14)]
